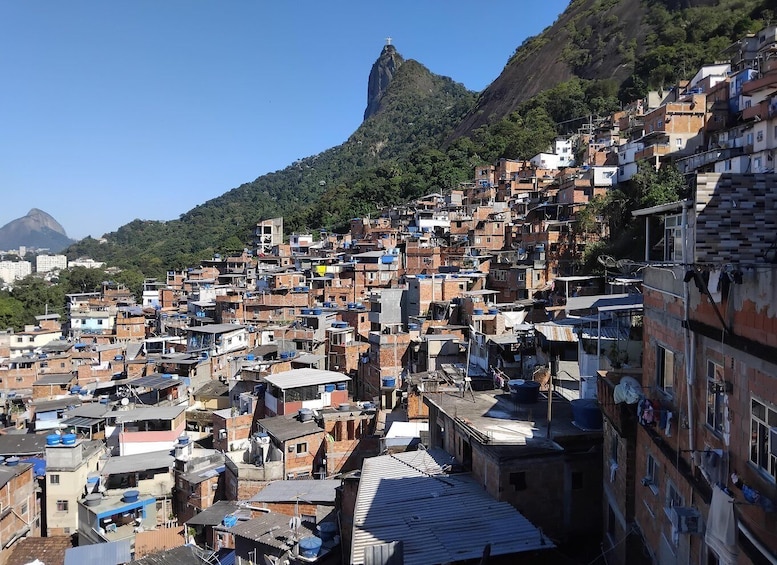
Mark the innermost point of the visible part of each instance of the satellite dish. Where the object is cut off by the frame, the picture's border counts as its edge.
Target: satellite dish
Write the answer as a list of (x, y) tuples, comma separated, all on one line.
[(607, 261), (124, 401)]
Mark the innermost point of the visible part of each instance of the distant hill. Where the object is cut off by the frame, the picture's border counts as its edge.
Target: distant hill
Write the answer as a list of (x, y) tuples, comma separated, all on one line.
[(37, 229)]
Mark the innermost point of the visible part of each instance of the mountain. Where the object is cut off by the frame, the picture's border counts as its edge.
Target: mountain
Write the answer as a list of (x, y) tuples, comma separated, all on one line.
[(424, 132), (410, 110), (381, 74), (631, 43), (37, 229)]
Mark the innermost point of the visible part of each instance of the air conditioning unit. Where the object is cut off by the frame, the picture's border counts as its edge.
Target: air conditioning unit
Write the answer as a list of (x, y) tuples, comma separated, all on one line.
[(686, 520)]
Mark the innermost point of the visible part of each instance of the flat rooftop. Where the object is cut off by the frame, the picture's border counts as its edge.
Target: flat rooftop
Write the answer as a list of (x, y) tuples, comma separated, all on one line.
[(498, 420)]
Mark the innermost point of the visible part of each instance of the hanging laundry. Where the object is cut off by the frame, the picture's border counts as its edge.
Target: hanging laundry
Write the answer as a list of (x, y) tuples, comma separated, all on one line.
[(713, 285), (646, 413)]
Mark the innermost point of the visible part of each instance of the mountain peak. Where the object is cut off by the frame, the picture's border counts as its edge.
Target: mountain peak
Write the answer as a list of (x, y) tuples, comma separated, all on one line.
[(383, 70), (37, 229)]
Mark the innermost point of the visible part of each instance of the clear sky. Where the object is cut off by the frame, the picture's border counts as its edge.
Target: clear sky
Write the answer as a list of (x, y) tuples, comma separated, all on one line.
[(116, 110)]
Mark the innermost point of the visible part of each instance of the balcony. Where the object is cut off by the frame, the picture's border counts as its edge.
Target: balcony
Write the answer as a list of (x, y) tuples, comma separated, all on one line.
[(622, 416)]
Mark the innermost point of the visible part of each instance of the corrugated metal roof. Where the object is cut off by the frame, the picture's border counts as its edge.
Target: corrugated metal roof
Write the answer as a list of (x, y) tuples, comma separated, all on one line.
[(111, 553), (305, 377), (555, 332), (155, 381), (137, 462), (147, 413), (213, 515), (406, 497), (602, 301), (272, 529), (313, 491)]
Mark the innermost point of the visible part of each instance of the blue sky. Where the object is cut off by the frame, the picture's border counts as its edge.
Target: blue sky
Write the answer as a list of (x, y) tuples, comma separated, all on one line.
[(119, 110)]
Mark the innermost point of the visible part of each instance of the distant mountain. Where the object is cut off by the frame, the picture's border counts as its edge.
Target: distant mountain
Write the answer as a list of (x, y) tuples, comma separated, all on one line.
[(37, 229), (383, 70)]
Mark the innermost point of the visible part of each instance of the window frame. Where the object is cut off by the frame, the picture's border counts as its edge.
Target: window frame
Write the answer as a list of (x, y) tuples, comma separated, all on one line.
[(662, 361), (54, 479), (715, 401), (760, 429), (63, 505)]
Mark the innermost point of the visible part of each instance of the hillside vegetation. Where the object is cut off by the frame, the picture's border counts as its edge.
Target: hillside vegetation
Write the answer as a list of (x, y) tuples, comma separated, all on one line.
[(429, 131)]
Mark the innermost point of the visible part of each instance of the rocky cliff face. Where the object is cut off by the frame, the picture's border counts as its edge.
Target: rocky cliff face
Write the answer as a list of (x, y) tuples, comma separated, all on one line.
[(383, 70), (37, 229)]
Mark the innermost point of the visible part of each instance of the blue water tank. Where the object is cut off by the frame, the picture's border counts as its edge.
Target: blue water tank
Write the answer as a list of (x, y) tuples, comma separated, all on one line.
[(69, 439), (351, 305), (230, 521), (342, 386), (329, 388), (309, 547), (12, 461), (387, 259), (412, 327), (317, 311), (250, 357), (53, 439), (389, 382), (524, 392), (586, 414), (493, 310), (131, 495), (477, 311), (327, 530)]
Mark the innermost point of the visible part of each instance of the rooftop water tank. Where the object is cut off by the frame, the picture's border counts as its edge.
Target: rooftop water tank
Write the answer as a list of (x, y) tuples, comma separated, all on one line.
[(53, 439), (344, 407), (183, 440), (305, 414), (317, 311), (477, 311), (309, 547), (327, 530), (329, 388), (342, 386), (524, 392), (12, 461), (69, 439), (93, 499), (493, 310), (586, 414), (250, 357), (131, 495), (389, 382), (230, 521)]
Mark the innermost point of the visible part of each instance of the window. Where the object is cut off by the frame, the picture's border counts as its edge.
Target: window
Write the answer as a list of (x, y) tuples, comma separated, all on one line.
[(759, 136), (678, 141), (673, 496), (302, 448), (53, 479), (763, 421), (24, 509), (62, 505), (665, 370), (499, 275), (716, 397), (673, 238), (518, 480), (652, 474)]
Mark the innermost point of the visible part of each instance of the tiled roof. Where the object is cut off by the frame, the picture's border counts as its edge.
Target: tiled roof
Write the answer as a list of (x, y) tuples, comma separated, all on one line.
[(50, 551), (154, 541)]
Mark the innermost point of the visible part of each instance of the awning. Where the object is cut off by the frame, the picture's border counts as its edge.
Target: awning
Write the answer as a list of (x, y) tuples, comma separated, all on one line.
[(555, 332)]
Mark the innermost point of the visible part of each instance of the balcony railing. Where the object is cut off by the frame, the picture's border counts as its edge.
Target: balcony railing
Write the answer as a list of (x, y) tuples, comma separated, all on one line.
[(622, 416)]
